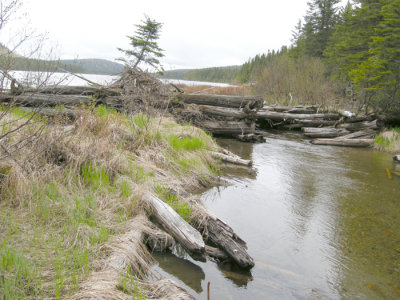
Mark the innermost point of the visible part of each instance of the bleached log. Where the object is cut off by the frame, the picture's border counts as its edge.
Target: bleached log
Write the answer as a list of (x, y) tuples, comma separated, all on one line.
[(76, 90), (233, 159), (323, 132), (358, 134), (280, 116), (315, 123), (362, 143), (179, 229), (222, 100), (359, 125), (226, 127), (223, 112)]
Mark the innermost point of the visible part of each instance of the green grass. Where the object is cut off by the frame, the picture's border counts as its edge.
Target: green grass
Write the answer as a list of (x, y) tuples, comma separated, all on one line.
[(183, 208), (103, 110), (95, 177), (186, 143), (388, 141), (17, 274)]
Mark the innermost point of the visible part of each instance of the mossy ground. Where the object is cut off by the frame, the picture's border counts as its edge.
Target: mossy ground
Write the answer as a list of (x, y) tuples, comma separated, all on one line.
[(70, 188)]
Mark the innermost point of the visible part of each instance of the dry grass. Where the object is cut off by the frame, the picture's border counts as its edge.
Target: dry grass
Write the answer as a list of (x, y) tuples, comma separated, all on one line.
[(65, 195), (388, 141)]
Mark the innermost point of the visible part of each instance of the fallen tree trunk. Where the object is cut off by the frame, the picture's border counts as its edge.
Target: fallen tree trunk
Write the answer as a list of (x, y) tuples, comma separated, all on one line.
[(42, 100), (323, 132), (315, 123), (359, 125), (223, 112), (345, 142), (251, 102), (226, 127), (358, 134), (280, 116), (179, 229), (99, 92), (231, 158), (222, 235)]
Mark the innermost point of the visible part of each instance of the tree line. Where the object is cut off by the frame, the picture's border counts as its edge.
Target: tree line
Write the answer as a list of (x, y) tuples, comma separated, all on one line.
[(352, 50)]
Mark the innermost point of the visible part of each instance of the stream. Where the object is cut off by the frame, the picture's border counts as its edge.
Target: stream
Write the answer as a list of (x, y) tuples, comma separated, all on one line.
[(320, 222)]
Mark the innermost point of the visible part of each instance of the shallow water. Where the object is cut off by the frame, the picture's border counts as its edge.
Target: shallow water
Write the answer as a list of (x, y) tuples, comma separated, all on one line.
[(320, 222)]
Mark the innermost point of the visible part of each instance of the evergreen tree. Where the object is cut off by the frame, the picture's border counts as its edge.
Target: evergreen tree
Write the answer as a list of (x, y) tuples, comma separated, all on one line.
[(144, 43), (319, 25)]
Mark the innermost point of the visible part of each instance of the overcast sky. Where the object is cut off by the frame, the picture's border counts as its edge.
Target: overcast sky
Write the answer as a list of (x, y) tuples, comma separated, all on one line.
[(194, 34)]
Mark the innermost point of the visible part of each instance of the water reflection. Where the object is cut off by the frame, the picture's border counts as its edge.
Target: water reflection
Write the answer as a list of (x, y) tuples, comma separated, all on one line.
[(186, 271), (321, 223), (239, 277)]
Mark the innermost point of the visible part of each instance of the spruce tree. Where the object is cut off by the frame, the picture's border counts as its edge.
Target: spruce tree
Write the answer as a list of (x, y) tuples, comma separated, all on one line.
[(144, 45), (319, 25)]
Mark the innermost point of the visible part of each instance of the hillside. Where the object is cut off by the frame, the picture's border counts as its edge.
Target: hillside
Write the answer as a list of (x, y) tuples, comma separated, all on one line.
[(216, 74), (87, 66)]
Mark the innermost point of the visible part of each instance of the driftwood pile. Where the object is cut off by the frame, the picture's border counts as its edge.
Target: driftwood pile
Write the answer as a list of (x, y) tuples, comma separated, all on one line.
[(325, 128)]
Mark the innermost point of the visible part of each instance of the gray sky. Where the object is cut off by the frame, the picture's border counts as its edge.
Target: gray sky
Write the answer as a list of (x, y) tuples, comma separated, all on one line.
[(195, 33)]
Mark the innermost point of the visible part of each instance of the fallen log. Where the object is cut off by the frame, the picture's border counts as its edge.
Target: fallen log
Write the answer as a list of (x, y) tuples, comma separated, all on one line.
[(53, 112), (358, 134), (222, 236), (223, 112), (280, 116), (179, 229), (216, 253), (359, 125), (314, 123), (231, 158), (98, 92), (226, 127), (251, 138), (396, 158), (323, 132), (345, 142), (252, 102), (42, 100)]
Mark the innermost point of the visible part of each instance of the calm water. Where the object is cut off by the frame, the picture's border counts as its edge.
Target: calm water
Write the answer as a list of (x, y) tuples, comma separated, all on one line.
[(320, 222)]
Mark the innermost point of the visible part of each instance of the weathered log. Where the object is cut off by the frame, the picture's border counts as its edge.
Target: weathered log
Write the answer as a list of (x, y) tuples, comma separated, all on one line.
[(359, 125), (226, 127), (223, 112), (314, 123), (396, 158), (231, 158), (324, 132), (345, 142), (358, 134), (223, 236), (41, 100), (216, 253), (251, 102), (300, 110), (99, 92), (179, 229), (280, 116)]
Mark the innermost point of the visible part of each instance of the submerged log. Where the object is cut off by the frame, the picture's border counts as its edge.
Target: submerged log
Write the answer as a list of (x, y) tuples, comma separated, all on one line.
[(323, 132), (252, 102), (345, 142), (226, 127), (359, 125), (280, 116), (179, 229)]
